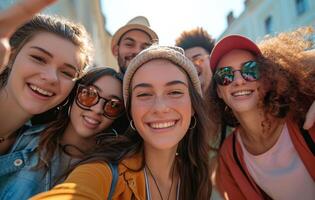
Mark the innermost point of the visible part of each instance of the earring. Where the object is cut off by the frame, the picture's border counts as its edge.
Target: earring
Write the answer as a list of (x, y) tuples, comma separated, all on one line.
[(69, 110), (60, 107), (194, 123), (226, 108), (132, 126)]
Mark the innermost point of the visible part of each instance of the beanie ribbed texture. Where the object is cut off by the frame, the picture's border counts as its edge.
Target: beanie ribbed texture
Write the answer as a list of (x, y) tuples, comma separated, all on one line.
[(171, 53)]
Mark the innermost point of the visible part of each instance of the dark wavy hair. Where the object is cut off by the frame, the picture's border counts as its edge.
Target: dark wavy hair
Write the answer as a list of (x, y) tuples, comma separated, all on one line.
[(193, 150), (287, 80), (197, 37), (50, 138)]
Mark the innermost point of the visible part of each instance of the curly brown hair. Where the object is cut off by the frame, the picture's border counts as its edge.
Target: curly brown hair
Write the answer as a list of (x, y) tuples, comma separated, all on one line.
[(287, 76)]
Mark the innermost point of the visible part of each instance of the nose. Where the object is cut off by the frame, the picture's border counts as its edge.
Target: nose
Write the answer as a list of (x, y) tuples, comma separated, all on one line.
[(98, 108), (160, 105), (238, 78), (137, 49), (50, 75)]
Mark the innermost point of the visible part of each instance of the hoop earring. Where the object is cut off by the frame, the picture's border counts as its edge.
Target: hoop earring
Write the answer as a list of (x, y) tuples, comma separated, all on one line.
[(132, 126), (194, 123), (60, 107), (69, 110)]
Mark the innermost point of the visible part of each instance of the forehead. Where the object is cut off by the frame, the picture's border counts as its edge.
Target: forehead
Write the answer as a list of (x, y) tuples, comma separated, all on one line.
[(157, 72), (137, 35), (235, 58), (109, 86), (195, 51), (58, 46)]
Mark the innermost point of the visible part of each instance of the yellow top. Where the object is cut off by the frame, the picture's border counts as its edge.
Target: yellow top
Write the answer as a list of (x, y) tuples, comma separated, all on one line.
[(93, 181)]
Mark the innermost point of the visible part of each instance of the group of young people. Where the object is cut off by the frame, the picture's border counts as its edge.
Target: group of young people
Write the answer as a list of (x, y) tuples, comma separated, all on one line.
[(73, 131)]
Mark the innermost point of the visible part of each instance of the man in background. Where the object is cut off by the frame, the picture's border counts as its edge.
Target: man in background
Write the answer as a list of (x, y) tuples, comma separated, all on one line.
[(131, 39), (198, 45)]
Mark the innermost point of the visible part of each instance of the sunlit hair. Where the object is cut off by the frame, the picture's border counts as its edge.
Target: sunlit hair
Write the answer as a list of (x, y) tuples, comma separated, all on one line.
[(50, 138), (73, 32), (287, 79), (193, 150), (197, 37)]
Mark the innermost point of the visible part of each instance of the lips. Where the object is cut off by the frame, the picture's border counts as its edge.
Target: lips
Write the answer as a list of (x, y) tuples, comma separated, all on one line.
[(162, 125), (242, 93), (40, 91), (91, 122)]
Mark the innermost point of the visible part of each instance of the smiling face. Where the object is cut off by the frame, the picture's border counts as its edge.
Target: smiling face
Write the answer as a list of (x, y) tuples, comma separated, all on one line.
[(90, 121), (160, 104), (130, 45), (200, 57), (42, 73), (240, 95)]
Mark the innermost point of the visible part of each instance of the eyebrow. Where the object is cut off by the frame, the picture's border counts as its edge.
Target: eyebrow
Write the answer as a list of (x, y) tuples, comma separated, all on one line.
[(110, 96), (50, 55), (147, 85), (133, 40), (130, 39), (42, 50), (197, 55)]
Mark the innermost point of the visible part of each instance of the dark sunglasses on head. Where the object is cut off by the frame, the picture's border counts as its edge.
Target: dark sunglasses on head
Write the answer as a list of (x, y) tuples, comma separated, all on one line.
[(87, 96), (225, 75)]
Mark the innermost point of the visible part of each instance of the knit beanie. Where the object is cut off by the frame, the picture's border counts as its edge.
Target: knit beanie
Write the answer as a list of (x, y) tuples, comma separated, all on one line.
[(170, 53)]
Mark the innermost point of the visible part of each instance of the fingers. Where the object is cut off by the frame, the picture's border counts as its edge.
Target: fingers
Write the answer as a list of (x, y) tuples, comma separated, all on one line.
[(310, 117), (19, 13), (27, 8), (14, 17), (4, 53)]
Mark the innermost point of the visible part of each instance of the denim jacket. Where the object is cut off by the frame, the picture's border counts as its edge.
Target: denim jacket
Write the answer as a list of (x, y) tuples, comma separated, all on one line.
[(18, 178)]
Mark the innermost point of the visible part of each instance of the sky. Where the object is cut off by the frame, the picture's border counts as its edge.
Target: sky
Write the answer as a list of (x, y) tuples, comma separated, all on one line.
[(168, 18)]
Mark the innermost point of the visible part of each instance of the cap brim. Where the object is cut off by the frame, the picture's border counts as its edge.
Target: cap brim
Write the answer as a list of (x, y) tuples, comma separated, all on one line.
[(120, 32), (230, 43)]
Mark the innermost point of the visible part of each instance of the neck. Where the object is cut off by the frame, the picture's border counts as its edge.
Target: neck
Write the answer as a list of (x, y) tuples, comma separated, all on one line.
[(257, 138), (12, 116), (160, 161), (162, 172), (75, 142)]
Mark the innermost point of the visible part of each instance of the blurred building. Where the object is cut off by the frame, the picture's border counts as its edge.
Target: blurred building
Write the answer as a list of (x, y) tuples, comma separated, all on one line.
[(261, 17), (88, 13)]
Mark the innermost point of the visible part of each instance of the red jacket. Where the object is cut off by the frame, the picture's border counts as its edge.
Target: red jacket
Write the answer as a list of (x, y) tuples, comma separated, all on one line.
[(231, 181)]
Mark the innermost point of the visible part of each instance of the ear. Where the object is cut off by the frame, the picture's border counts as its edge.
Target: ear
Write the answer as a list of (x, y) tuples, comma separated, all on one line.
[(192, 111), (115, 50), (219, 93)]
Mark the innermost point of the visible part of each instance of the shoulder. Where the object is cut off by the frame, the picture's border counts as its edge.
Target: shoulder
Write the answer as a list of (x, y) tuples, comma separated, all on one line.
[(98, 172), (227, 145), (28, 137)]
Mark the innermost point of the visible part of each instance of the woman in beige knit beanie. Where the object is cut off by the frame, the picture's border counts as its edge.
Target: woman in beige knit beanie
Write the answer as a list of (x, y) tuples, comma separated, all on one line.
[(164, 154)]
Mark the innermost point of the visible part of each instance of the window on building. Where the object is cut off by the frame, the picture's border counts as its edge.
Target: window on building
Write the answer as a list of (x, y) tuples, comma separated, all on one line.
[(268, 25), (300, 6)]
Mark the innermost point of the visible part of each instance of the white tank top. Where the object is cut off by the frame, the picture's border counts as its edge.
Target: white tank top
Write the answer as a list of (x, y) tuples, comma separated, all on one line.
[(280, 172)]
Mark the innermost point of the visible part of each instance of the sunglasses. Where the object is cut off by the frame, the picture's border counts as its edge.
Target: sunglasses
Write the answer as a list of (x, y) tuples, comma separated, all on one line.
[(88, 96), (249, 71)]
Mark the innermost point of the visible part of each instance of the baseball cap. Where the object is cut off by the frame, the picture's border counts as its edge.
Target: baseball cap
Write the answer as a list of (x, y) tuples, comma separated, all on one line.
[(230, 43)]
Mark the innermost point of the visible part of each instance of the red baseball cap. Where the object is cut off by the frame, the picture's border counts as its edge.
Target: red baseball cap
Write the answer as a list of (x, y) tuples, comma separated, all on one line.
[(229, 43)]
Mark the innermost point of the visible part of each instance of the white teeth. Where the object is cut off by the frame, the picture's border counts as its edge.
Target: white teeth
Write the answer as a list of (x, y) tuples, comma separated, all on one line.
[(162, 125), (242, 93), (41, 91), (91, 121)]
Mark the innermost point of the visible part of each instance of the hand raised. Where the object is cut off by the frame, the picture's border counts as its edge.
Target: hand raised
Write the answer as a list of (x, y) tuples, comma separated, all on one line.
[(14, 17)]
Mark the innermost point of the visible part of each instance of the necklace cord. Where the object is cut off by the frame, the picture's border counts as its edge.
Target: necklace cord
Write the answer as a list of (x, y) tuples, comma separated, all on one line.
[(156, 184)]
